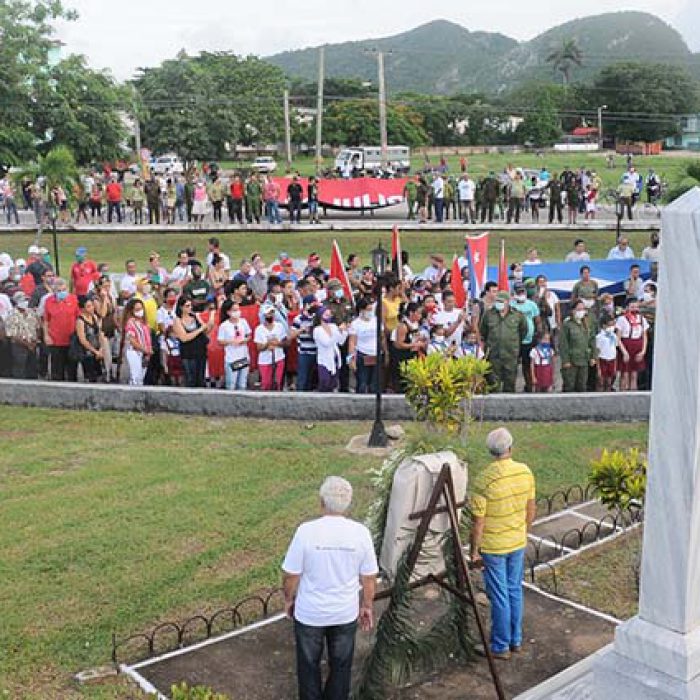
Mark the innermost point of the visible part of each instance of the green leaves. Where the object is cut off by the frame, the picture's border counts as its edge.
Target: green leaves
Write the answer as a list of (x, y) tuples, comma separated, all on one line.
[(620, 478)]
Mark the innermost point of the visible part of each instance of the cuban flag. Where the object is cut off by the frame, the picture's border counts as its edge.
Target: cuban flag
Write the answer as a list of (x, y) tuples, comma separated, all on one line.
[(561, 277), (477, 257)]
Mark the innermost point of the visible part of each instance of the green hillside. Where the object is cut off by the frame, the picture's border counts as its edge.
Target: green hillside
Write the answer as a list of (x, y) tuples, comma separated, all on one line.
[(443, 58)]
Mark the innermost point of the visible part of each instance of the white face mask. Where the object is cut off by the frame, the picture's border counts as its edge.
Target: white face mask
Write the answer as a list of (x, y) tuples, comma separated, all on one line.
[(139, 313), (580, 314), (278, 298), (648, 296), (521, 297)]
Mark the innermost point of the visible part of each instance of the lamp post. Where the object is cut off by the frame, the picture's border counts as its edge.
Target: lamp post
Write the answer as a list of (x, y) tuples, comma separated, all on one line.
[(53, 215), (619, 213), (378, 436), (600, 125)]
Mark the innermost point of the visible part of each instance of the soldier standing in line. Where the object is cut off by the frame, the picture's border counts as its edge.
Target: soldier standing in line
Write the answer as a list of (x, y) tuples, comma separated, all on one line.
[(577, 348), (490, 187), (253, 199), (410, 192), (555, 189), (503, 330)]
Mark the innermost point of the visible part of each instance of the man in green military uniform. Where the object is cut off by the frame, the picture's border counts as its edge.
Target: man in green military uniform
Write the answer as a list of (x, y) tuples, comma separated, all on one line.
[(450, 201), (189, 197), (410, 192), (577, 348), (342, 310), (503, 330), (489, 196), (253, 199)]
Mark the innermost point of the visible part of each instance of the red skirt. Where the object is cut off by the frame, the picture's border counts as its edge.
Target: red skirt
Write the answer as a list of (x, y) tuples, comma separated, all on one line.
[(175, 368), (544, 374), (633, 348)]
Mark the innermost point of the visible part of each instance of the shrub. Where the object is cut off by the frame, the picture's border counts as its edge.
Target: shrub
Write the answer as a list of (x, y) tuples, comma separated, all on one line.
[(440, 388), (620, 478)]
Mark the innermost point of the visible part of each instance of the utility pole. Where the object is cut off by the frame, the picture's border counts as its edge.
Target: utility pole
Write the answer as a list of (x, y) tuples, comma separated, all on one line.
[(287, 131), (600, 126), (319, 110), (382, 110)]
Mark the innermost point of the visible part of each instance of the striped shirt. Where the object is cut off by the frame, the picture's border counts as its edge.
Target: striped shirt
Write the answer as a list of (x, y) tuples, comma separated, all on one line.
[(501, 494)]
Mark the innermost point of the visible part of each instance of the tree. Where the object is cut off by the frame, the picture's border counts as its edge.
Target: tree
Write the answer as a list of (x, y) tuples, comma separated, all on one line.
[(541, 126), (356, 122), (26, 31), (80, 108), (563, 58), (644, 99), (197, 106)]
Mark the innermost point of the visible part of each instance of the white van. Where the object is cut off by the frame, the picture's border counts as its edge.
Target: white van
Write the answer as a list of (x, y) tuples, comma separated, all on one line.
[(168, 164), (369, 159)]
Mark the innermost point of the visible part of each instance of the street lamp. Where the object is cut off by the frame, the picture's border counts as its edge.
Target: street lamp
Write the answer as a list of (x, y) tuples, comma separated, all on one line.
[(600, 125), (378, 436), (53, 215)]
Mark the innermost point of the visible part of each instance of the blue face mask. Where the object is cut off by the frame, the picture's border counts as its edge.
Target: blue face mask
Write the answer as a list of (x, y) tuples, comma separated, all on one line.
[(338, 293), (546, 346), (499, 305), (62, 296)]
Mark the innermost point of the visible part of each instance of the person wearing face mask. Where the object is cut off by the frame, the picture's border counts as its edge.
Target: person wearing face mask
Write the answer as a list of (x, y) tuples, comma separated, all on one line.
[(136, 341), (503, 330), (198, 289), (234, 335), (302, 332), (439, 343), (606, 306), (342, 310), (60, 315), (168, 344), (407, 342), (632, 329), (362, 348), (275, 298), (577, 348), (22, 328), (607, 344), (270, 337), (82, 273), (193, 337), (586, 290), (542, 363), (88, 332), (531, 311), (329, 338)]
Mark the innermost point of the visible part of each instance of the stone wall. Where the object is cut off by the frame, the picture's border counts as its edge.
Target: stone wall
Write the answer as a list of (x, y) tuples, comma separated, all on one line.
[(314, 407)]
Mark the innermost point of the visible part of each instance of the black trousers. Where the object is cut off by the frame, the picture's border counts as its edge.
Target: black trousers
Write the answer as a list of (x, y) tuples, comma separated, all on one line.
[(235, 210), (111, 208), (24, 362), (154, 213), (295, 211), (217, 206), (63, 369), (555, 207)]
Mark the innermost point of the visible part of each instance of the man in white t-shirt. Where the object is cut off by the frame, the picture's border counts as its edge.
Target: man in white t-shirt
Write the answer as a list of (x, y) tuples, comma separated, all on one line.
[(127, 285), (467, 190), (579, 253), (328, 562), (182, 272)]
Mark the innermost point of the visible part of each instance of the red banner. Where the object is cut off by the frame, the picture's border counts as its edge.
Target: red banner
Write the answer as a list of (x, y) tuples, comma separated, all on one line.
[(356, 193)]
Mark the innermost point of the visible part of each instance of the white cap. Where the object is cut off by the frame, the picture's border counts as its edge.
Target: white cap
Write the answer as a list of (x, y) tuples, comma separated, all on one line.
[(33, 250), (20, 262)]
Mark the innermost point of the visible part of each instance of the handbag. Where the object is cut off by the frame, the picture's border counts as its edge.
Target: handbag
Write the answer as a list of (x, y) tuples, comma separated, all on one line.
[(239, 364), (76, 352)]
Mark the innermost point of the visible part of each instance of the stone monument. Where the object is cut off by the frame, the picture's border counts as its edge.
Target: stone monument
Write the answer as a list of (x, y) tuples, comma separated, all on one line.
[(656, 655)]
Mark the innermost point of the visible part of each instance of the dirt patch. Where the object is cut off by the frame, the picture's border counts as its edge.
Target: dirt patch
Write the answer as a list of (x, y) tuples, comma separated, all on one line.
[(259, 665)]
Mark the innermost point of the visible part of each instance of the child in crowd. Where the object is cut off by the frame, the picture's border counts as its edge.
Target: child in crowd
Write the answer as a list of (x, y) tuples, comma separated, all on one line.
[(607, 343), (591, 197), (471, 346), (439, 343), (542, 364)]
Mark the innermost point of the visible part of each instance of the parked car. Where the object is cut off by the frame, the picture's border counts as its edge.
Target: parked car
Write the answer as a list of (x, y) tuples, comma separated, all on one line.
[(264, 164), (167, 165)]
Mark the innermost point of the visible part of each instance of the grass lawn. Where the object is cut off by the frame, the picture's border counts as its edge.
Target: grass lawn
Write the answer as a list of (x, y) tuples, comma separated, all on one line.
[(112, 522), (668, 166), (603, 578), (115, 248)]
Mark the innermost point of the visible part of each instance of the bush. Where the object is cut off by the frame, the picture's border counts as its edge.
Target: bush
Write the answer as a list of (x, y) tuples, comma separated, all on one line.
[(440, 388), (199, 692), (620, 478)]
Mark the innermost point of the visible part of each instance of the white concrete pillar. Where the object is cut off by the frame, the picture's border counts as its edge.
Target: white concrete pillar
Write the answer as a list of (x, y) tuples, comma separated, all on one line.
[(657, 654)]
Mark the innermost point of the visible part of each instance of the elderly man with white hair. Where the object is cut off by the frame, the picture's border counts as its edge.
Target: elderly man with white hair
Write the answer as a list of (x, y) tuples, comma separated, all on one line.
[(328, 562), (503, 508)]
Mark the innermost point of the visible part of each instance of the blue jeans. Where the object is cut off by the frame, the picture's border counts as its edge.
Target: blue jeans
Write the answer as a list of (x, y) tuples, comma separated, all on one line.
[(503, 578), (340, 640), (236, 380), (439, 209), (272, 209), (366, 375), (306, 364)]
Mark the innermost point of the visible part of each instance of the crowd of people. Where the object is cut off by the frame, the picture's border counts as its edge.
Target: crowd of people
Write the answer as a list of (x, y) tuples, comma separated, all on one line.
[(434, 195), (439, 196), (288, 326)]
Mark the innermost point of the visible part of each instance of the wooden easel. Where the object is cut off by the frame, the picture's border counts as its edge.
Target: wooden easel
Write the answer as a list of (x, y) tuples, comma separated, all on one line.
[(444, 489)]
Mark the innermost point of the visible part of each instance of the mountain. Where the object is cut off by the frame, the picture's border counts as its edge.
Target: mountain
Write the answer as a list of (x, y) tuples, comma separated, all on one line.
[(438, 57), (442, 57)]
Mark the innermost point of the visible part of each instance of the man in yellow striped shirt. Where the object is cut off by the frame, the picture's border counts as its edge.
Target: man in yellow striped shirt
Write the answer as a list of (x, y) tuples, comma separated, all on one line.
[(503, 508)]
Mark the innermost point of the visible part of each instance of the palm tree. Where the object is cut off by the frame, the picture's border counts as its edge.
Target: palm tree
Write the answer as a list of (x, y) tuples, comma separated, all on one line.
[(563, 58)]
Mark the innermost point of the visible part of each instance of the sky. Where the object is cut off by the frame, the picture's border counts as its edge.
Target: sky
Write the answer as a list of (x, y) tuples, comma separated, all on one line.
[(145, 32)]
